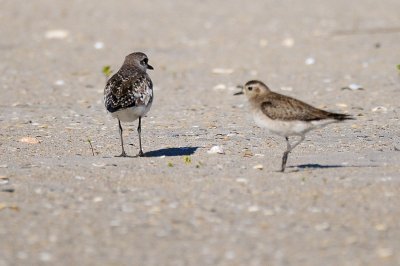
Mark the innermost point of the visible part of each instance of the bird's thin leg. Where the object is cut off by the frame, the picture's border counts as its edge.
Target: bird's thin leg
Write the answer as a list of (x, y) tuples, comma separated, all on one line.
[(285, 154), (298, 142), (289, 148), (139, 130), (123, 154)]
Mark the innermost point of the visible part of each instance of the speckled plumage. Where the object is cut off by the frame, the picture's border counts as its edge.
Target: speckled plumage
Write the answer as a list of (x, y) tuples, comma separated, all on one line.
[(128, 94), (127, 89), (284, 115)]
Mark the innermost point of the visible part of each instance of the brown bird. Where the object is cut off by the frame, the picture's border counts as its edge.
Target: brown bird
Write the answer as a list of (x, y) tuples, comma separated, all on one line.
[(128, 94), (285, 116)]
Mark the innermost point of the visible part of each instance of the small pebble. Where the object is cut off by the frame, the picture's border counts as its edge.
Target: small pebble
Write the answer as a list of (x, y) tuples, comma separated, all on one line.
[(98, 164), (45, 256), (56, 34), (29, 140), (97, 199), (268, 212), (222, 71), (380, 227), (286, 88), (242, 180), (98, 45), (309, 61), (384, 252), (230, 255), (220, 87), (59, 82), (288, 42), (353, 87), (215, 150), (258, 166), (4, 180), (322, 226), (253, 208), (380, 109)]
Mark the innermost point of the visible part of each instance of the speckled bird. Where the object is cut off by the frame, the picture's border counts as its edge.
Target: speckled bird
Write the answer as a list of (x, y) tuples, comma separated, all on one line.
[(285, 116), (128, 94)]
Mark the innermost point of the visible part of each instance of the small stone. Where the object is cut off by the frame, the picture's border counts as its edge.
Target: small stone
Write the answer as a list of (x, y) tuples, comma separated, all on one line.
[(353, 87), (56, 34), (215, 150), (30, 140), (253, 208), (268, 212), (98, 45), (242, 180), (247, 154), (98, 164), (342, 105), (222, 71), (4, 180), (380, 227), (309, 61), (380, 109), (258, 167), (97, 199), (286, 88), (220, 87), (115, 223), (322, 226), (45, 256), (384, 253), (230, 255), (79, 177), (59, 82), (288, 42)]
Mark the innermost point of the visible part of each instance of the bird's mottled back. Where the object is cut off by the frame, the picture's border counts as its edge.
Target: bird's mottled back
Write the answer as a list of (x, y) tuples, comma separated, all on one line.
[(130, 86), (125, 91)]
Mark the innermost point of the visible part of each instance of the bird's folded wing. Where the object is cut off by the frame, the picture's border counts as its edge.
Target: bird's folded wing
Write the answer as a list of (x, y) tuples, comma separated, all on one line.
[(123, 92), (279, 107)]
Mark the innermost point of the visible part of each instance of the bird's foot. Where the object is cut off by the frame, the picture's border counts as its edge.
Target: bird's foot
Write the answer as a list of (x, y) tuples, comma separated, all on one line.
[(123, 154), (141, 154)]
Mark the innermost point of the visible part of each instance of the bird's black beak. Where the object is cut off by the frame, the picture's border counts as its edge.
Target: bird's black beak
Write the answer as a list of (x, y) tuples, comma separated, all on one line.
[(149, 67), (240, 92)]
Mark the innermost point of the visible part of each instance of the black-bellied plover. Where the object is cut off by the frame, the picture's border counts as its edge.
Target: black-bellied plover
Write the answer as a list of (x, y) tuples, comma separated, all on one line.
[(128, 94), (285, 116)]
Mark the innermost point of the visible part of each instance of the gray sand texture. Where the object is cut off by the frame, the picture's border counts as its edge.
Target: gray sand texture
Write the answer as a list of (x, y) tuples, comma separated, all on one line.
[(65, 199)]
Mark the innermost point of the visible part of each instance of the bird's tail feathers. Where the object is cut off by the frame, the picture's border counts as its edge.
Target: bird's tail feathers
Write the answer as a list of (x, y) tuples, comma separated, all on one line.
[(341, 117)]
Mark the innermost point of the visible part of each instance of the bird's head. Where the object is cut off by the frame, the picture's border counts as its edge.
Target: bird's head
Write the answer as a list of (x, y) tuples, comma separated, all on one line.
[(138, 60), (253, 89)]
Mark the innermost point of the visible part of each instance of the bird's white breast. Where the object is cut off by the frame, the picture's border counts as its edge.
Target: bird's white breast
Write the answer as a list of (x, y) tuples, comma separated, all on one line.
[(282, 128), (132, 113)]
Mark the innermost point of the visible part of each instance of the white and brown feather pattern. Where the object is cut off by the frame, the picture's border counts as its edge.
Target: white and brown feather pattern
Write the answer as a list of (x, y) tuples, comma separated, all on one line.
[(123, 92), (284, 108)]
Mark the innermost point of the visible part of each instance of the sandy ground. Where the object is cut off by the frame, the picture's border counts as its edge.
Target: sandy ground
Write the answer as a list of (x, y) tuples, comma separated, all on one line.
[(338, 204)]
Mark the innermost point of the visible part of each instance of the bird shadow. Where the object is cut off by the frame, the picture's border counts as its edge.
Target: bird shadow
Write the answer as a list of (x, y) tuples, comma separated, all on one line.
[(317, 166), (170, 152), (325, 166)]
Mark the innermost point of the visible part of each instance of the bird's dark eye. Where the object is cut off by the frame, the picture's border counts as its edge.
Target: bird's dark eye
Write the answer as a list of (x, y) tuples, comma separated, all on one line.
[(144, 61), (250, 88)]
